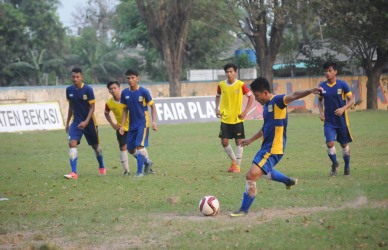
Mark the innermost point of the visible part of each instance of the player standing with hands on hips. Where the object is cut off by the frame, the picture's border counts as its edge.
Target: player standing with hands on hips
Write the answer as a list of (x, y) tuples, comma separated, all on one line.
[(274, 139), (229, 101), (335, 99), (136, 100), (81, 108)]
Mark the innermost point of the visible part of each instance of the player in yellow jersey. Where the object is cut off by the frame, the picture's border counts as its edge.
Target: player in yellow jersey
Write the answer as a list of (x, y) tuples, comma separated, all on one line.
[(114, 105), (229, 102)]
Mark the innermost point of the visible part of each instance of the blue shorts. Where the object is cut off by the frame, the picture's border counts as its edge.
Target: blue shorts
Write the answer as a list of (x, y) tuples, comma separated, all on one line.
[(90, 132), (341, 135), (137, 138), (266, 161)]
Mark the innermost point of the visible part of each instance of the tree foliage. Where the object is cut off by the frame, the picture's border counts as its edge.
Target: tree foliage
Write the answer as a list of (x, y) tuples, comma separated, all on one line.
[(361, 27)]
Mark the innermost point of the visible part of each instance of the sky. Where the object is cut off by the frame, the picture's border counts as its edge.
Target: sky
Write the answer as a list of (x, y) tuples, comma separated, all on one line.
[(66, 9)]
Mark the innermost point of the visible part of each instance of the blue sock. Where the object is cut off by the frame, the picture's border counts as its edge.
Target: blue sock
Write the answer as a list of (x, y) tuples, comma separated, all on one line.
[(73, 165), (246, 202), (100, 160), (280, 177), (333, 158), (140, 162), (347, 162)]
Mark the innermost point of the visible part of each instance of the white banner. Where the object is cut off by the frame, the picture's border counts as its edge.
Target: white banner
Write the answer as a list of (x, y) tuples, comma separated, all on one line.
[(30, 116)]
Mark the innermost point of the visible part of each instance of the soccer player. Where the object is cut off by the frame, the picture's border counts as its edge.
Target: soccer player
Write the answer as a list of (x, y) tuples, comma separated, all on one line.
[(114, 105), (335, 99), (229, 102), (274, 139), (81, 108), (136, 100)]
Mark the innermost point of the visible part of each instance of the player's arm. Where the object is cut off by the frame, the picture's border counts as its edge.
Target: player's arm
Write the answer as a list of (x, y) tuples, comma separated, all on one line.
[(248, 106), (92, 107), (349, 103), (301, 93), (109, 119), (320, 108), (69, 115), (123, 118), (256, 136), (153, 116), (218, 97)]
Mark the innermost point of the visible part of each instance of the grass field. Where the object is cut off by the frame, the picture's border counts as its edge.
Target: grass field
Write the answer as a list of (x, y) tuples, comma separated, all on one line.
[(46, 211)]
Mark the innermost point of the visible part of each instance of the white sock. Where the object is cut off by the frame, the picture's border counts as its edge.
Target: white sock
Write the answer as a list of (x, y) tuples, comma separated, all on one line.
[(229, 151), (124, 160), (239, 153), (144, 154)]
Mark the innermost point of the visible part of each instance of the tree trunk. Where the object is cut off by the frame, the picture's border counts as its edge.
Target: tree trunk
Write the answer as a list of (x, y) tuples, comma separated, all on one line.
[(374, 74)]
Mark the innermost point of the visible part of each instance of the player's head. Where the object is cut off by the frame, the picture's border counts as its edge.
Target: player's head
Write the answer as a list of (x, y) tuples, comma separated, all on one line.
[(330, 71), (114, 88), (132, 77), (230, 71), (261, 89), (76, 76)]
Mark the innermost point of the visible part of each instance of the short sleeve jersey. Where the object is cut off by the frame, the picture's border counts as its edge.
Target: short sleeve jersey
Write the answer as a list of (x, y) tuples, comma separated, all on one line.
[(231, 100), (117, 109), (81, 99), (137, 104), (275, 125), (334, 97)]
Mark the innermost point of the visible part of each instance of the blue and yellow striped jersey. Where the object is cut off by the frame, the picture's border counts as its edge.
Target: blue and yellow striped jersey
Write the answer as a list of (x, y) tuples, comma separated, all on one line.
[(334, 97), (275, 124)]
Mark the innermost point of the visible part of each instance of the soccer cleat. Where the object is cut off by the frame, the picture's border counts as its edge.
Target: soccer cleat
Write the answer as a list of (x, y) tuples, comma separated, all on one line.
[(102, 171), (147, 167), (347, 172), (333, 172), (139, 175), (126, 173), (232, 167), (238, 213), (152, 171), (72, 175), (293, 182), (236, 169)]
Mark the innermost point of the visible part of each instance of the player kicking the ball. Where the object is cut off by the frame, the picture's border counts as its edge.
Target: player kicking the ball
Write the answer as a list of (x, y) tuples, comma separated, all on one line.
[(274, 139)]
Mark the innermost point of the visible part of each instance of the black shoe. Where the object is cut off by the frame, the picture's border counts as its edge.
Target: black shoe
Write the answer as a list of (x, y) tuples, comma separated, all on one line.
[(347, 172), (293, 182), (333, 172)]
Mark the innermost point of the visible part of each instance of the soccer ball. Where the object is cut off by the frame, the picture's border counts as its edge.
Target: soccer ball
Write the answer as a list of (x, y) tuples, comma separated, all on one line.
[(209, 205)]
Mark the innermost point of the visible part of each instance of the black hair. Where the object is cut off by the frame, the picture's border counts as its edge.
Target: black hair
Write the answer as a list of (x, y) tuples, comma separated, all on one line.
[(260, 84), (327, 65), (111, 83), (76, 70), (131, 72), (230, 65)]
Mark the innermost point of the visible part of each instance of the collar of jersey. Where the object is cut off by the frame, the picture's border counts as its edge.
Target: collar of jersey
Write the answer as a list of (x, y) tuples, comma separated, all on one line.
[(137, 87), (331, 84)]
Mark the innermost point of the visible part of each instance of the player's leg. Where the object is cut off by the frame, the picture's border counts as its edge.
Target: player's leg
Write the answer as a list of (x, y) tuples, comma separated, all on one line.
[(225, 134), (239, 134), (122, 140), (330, 134), (344, 137), (91, 135), (75, 135)]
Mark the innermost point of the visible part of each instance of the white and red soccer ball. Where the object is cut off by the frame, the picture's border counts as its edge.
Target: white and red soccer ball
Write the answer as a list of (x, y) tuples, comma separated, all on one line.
[(209, 205)]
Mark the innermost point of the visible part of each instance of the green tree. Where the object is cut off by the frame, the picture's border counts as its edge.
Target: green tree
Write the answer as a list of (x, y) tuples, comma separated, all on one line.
[(32, 26), (361, 27)]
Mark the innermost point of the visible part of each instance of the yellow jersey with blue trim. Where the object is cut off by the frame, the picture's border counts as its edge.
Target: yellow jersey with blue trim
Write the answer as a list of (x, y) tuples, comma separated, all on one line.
[(117, 109), (231, 100), (275, 125)]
